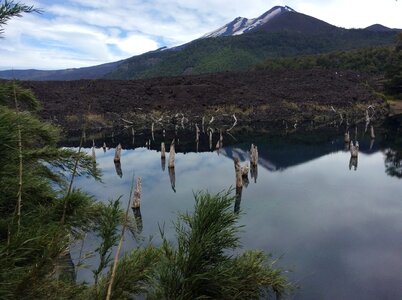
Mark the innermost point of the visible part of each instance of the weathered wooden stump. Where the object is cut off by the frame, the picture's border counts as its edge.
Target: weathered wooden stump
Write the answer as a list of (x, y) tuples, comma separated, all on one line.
[(117, 153), (163, 151), (253, 155), (171, 156)]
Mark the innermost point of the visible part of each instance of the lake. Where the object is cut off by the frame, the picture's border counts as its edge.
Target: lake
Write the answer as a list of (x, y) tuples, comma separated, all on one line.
[(335, 224)]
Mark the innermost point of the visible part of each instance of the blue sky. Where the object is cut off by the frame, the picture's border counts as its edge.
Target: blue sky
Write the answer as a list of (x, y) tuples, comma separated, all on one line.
[(78, 33)]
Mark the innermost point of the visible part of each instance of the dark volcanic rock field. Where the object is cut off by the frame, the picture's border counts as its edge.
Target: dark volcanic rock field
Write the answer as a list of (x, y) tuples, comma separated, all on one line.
[(251, 96)]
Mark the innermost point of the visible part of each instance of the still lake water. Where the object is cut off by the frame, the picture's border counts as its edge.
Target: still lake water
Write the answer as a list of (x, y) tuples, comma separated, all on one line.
[(336, 228)]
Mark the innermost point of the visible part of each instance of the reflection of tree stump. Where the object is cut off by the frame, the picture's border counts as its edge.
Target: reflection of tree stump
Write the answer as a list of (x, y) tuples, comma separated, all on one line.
[(197, 133), (353, 163), (117, 153), (372, 134), (239, 180), (237, 200), (354, 149), (210, 140), (163, 151), (163, 163), (245, 180), (171, 155), (137, 194), (347, 137), (64, 268), (254, 173), (253, 155), (138, 219), (172, 177), (117, 165)]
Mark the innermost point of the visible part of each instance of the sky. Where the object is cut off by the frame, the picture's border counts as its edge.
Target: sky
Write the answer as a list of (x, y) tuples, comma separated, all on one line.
[(80, 33)]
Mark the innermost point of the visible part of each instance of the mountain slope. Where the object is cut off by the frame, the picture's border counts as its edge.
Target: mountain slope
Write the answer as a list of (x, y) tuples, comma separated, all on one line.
[(237, 46), (381, 28), (94, 72), (243, 25), (242, 52)]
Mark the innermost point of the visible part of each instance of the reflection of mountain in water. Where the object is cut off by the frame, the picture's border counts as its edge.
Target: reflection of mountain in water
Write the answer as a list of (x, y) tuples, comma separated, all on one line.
[(278, 155), (275, 152)]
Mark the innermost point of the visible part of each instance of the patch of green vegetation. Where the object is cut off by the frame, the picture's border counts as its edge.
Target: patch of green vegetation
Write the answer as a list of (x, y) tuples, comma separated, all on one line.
[(237, 53)]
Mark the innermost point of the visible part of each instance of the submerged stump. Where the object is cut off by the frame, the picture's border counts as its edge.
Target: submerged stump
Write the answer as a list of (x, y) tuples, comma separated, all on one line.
[(117, 153), (171, 155)]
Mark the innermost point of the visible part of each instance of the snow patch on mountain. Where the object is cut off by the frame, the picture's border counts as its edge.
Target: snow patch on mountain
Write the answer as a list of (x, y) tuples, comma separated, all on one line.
[(242, 25)]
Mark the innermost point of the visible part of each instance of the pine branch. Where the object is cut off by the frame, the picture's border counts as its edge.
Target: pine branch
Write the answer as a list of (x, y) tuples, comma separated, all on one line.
[(116, 258), (9, 10)]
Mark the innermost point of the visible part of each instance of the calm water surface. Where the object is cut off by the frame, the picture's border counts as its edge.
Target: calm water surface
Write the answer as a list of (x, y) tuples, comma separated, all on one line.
[(336, 228)]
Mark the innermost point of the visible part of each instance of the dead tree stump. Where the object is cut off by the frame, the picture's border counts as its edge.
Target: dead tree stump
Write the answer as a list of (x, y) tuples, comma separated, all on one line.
[(163, 154), (171, 155), (117, 153)]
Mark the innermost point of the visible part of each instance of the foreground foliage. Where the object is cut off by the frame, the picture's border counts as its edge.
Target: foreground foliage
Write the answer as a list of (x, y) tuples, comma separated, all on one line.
[(201, 264)]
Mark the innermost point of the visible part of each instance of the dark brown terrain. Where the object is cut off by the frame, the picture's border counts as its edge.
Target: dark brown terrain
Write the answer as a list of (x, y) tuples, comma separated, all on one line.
[(253, 97)]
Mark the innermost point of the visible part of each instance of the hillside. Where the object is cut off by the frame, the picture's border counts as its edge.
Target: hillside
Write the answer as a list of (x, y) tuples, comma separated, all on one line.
[(237, 46), (373, 60), (67, 74), (242, 52)]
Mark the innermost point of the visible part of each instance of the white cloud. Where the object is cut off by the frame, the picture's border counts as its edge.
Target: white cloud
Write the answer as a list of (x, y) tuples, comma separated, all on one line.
[(75, 33)]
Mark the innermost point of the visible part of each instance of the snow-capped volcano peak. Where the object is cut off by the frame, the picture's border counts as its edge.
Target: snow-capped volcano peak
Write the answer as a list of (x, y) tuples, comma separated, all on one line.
[(242, 25)]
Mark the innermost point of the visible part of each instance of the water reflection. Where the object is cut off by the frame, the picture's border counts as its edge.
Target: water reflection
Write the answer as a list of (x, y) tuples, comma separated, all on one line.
[(119, 172), (163, 163), (353, 163), (332, 227), (138, 220), (172, 177)]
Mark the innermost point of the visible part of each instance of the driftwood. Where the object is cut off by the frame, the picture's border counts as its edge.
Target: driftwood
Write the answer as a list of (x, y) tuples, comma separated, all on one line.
[(171, 156), (137, 194), (117, 153), (104, 147)]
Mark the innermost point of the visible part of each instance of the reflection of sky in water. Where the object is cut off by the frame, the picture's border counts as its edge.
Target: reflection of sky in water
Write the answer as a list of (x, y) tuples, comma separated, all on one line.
[(339, 231)]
